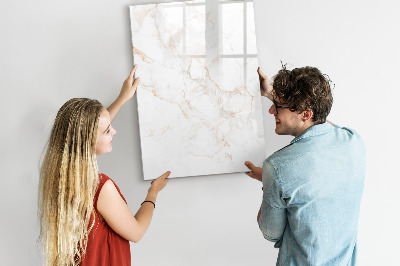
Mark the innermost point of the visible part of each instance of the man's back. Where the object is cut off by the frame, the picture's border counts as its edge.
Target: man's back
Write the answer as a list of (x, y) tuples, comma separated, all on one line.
[(313, 189)]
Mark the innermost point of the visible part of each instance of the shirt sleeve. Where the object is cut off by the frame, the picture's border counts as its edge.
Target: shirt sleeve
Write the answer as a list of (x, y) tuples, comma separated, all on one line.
[(273, 219)]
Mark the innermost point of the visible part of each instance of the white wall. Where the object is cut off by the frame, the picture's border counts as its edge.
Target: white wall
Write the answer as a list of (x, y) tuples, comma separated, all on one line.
[(51, 51), (357, 44)]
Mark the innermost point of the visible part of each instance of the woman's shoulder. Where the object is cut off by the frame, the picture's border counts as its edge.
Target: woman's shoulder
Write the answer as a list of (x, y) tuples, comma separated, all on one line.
[(111, 184), (103, 179), (103, 176)]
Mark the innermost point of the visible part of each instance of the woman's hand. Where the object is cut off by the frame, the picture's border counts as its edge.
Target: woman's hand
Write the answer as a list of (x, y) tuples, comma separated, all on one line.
[(265, 87), (127, 92), (129, 86), (115, 211), (158, 184)]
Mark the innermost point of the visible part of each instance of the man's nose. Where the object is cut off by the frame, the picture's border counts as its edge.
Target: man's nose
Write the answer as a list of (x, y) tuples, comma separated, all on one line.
[(272, 110)]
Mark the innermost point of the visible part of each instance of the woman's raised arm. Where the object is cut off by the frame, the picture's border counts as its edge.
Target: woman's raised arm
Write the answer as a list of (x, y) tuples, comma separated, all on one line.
[(127, 91)]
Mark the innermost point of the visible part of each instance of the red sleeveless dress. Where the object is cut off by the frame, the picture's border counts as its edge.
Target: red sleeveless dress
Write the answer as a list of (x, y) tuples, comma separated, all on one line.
[(105, 247)]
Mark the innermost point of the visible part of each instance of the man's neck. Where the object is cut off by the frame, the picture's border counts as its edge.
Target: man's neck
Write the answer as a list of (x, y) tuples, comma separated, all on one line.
[(306, 126)]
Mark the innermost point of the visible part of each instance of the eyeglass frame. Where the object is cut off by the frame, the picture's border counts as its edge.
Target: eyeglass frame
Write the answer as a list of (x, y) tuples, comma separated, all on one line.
[(278, 106)]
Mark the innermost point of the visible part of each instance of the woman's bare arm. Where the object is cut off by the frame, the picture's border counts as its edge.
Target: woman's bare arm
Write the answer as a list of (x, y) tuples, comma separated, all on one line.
[(118, 216), (127, 91)]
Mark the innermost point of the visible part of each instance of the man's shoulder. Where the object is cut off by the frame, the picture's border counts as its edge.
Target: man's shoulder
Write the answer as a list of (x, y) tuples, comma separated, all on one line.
[(347, 130), (347, 136), (329, 140), (283, 156)]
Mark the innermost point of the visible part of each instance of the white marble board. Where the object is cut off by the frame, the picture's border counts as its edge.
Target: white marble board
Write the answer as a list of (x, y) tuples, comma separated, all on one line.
[(198, 99)]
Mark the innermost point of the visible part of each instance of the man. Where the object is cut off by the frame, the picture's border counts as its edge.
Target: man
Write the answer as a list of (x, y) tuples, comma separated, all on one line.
[(312, 187)]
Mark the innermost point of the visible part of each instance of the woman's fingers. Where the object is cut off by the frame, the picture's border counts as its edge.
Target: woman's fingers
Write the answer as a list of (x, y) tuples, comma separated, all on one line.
[(159, 183), (136, 82), (165, 175), (133, 71), (129, 80)]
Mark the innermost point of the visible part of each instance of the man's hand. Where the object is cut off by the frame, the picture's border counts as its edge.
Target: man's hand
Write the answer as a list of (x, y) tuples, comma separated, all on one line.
[(256, 172), (265, 87)]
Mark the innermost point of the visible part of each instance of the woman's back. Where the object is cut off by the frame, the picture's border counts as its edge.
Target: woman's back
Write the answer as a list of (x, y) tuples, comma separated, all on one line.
[(105, 246)]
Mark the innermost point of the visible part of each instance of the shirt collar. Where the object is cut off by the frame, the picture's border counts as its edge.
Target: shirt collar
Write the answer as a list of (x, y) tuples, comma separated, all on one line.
[(314, 131)]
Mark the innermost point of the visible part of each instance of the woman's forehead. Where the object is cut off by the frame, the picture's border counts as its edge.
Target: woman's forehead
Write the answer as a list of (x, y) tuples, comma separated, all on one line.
[(104, 119)]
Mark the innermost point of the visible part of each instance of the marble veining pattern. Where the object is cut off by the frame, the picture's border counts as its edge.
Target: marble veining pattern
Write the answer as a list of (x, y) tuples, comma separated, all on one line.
[(199, 112)]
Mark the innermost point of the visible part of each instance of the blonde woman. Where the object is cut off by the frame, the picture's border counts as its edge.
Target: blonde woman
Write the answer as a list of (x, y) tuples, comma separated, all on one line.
[(84, 219)]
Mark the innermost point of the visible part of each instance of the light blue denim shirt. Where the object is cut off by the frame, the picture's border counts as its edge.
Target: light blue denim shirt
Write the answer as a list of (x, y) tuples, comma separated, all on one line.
[(311, 197)]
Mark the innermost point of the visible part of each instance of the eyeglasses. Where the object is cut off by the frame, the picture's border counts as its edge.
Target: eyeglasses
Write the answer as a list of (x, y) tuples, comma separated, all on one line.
[(278, 106)]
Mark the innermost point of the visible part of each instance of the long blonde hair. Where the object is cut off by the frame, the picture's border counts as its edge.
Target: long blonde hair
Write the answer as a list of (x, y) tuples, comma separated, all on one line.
[(68, 182)]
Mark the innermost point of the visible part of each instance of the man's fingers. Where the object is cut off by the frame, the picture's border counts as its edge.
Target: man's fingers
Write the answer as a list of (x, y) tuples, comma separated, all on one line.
[(248, 173), (249, 165), (251, 174), (260, 72)]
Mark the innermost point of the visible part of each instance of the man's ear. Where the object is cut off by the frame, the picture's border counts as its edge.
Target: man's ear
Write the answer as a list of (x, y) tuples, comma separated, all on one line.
[(306, 115)]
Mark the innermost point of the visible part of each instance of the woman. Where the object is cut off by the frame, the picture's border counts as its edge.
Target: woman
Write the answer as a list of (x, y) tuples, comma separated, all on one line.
[(84, 219)]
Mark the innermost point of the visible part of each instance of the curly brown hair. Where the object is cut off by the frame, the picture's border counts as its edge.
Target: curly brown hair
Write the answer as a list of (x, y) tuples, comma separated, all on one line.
[(304, 88)]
